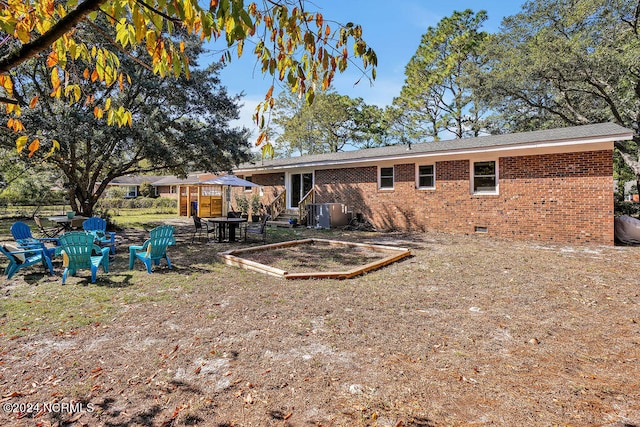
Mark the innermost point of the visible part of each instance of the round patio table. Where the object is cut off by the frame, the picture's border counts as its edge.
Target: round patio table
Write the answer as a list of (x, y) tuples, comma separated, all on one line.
[(227, 227)]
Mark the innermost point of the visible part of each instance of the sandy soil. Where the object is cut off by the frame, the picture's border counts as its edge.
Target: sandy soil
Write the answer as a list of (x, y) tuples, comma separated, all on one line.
[(469, 331)]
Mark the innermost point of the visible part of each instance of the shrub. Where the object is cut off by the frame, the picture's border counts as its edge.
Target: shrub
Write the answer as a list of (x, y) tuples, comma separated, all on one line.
[(147, 190), (242, 203), (627, 208)]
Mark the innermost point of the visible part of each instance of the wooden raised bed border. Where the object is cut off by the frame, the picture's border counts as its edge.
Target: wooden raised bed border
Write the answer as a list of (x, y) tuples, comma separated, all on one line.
[(232, 258)]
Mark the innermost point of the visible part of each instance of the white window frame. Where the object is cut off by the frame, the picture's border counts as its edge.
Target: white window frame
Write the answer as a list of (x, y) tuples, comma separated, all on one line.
[(173, 189), (393, 178), (496, 177), (433, 176), (250, 179)]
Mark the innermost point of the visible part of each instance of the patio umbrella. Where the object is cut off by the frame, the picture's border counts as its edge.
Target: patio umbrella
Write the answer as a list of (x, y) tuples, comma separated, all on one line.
[(229, 181)]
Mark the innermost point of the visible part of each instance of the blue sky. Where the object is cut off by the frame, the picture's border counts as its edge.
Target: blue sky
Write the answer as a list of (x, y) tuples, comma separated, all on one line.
[(394, 32)]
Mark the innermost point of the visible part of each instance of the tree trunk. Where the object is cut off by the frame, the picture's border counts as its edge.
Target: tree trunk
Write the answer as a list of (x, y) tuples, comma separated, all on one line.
[(81, 203)]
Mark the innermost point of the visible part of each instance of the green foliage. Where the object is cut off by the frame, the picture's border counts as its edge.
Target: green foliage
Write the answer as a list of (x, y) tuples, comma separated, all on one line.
[(332, 122), (242, 203), (292, 44), (27, 183), (256, 204), (436, 96), (147, 190), (560, 63), (158, 204), (179, 125), (115, 192), (627, 208)]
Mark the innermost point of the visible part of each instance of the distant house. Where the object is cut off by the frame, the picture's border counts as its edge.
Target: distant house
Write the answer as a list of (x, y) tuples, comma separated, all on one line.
[(553, 185), (169, 186), (131, 183), (193, 197)]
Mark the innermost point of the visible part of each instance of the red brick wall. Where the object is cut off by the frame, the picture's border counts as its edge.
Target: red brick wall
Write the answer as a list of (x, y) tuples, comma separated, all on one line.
[(555, 197), (272, 185)]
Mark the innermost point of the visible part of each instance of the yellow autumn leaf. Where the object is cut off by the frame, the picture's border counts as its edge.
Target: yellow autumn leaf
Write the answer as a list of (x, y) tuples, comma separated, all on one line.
[(107, 104), (55, 145), (21, 142), (55, 79)]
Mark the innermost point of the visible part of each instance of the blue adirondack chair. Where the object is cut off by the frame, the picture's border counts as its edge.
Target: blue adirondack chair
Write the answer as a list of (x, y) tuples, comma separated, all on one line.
[(21, 232), (25, 257), (77, 249), (154, 249), (98, 227)]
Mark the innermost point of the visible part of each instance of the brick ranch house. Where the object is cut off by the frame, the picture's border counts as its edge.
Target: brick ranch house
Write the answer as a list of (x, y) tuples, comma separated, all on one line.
[(549, 185)]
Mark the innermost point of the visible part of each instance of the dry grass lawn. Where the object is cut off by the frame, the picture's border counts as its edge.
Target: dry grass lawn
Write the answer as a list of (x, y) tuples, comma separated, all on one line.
[(469, 331)]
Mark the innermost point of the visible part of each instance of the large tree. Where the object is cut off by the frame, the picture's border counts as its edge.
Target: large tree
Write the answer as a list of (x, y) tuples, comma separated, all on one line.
[(567, 62), (177, 125), (436, 98), (328, 125), (291, 43)]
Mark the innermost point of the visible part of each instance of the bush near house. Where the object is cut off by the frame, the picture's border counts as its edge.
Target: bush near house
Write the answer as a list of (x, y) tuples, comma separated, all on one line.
[(627, 208), (162, 204)]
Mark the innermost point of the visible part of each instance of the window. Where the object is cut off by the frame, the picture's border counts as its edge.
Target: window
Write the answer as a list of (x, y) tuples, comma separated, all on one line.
[(485, 177), (172, 189), (250, 179), (132, 191), (386, 178), (425, 176)]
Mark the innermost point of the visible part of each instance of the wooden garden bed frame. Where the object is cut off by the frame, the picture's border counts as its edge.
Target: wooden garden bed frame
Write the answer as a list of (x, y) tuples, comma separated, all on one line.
[(234, 258)]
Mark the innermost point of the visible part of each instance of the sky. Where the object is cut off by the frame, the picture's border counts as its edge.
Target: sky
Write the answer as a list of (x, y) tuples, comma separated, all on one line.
[(394, 32)]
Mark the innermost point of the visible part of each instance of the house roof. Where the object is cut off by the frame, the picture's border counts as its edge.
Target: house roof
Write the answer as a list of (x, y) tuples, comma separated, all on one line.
[(174, 180), (595, 133), (134, 179)]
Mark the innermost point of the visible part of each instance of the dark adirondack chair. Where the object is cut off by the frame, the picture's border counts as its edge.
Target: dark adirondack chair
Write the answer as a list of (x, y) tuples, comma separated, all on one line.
[(79, 252), (98, 227), (154, 249), (47, 231), (201, 227), (259, 229)]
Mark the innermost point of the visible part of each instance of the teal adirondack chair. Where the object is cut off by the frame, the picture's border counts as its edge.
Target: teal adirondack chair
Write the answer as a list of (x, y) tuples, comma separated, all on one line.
[(21, 258), (21, 232), (154, 249), (98, 227), (77, 249)]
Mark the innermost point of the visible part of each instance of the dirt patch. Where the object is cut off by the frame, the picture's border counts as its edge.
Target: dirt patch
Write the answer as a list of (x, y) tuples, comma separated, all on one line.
[(314, 258), (469, 331)]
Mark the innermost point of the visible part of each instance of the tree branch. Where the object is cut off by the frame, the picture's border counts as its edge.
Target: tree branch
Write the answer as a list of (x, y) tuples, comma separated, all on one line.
[(6, 100), (36, 46), (117, 46)]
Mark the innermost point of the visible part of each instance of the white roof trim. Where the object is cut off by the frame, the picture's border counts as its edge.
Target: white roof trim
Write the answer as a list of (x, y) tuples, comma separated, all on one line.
[(554, 146)]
